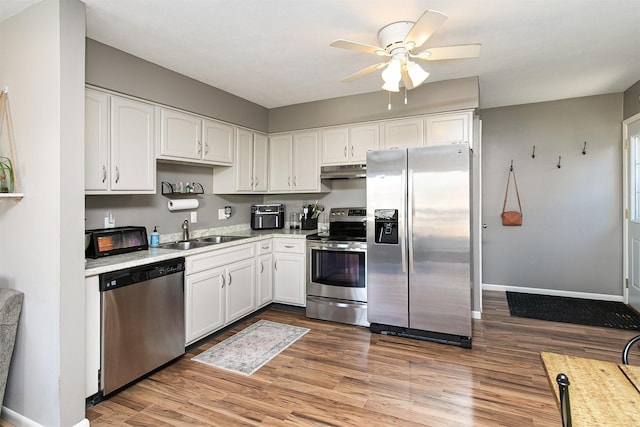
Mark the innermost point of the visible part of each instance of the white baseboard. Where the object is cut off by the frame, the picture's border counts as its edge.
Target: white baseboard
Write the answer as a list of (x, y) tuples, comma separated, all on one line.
[(19, 420), (539, 291)]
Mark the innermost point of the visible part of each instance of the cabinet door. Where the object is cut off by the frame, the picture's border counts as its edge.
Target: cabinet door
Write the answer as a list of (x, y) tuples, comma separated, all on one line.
[(265, 280), (241, 289), (133, 164), (306, 165), (217, 142), (362, 139), (289, 279), (204, 302), (448, 129), (335, 146), (96, 141), (244, 160), (280, 173), (180, 134), (402, 134), (260, 162)]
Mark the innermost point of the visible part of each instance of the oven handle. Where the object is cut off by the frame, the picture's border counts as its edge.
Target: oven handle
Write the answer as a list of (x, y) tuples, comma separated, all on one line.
[(327, 301), (333, 246)]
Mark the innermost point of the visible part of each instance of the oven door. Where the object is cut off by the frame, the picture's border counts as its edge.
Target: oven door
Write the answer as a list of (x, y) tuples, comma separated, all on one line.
[(337, 270)]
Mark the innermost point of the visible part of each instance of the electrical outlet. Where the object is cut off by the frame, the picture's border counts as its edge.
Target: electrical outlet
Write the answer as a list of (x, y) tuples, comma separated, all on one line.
[(194, 217), (221, 214)]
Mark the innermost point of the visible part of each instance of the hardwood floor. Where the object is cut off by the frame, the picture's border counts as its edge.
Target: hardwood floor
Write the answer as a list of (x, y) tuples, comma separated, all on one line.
[(341, 375)]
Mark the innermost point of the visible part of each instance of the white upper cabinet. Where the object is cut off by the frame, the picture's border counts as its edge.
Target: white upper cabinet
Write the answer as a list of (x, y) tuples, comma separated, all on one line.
[(119, 145), (348, 144), (249, 171), (189, 138), (450, 128), (217, 146), (294, 162), (406, 133)]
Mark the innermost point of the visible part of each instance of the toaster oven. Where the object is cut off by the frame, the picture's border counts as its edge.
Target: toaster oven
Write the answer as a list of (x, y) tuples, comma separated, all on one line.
[(117, 240), (264, 217)]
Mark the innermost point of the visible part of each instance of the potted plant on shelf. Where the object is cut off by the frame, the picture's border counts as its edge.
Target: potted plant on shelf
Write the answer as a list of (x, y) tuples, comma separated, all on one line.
[(6, 175)]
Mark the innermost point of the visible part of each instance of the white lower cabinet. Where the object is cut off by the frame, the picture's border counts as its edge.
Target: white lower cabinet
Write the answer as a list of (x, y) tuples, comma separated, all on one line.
[(289, 260), (264, 283), (220, 288)]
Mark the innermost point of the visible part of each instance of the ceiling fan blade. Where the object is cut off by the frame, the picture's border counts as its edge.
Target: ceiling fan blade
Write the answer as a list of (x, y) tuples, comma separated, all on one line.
[(364, 72), (359, 47), (463, 51), (424, 27)]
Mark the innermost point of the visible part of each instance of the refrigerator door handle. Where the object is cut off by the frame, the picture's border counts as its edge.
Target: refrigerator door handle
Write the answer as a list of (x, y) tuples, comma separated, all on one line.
[(410, 218), (403, 234)]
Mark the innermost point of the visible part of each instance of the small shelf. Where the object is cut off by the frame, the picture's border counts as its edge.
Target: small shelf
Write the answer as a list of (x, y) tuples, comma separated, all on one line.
[(17, 196), (169, 189)]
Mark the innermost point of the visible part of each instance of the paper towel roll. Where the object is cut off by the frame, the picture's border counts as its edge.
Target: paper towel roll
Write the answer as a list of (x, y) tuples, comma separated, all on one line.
[(182, 204)]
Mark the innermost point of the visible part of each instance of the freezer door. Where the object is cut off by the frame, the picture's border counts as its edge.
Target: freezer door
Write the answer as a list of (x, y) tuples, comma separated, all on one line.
[(387, 286), (439, 243)]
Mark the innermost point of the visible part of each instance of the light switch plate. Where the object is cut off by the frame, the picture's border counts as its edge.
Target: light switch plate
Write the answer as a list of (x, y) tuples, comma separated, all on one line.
[(221, 214), (194, 217)]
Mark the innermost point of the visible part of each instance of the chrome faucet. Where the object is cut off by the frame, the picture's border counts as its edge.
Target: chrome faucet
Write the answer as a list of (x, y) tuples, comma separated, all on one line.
[(185, 230)]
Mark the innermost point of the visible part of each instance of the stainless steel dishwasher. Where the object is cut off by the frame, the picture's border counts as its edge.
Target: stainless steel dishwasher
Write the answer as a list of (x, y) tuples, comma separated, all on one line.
[(142, 321)]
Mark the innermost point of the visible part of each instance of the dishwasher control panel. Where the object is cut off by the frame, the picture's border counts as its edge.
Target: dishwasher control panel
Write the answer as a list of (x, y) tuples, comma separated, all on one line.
[(130, 276)]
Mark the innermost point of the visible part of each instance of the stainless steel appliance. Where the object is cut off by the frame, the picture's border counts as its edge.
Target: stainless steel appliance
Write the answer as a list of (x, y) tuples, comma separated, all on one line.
[(142, 321), (265, 217), (419, 243), (343, 171), (336, 272), (112, 241)]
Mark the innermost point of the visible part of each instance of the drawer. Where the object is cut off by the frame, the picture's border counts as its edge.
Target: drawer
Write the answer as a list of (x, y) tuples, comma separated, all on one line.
[(292, 246), (219, 257), (265, 247)]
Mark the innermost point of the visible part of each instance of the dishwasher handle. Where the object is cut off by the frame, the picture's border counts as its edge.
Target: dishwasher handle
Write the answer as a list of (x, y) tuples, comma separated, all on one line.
[(130, 276)]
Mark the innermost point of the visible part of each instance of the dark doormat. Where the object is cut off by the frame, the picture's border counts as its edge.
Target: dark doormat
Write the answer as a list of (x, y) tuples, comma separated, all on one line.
[(607, 314)]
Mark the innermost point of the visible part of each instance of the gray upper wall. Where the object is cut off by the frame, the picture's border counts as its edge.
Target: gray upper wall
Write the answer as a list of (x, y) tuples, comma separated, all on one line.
[(110, 68), (448, 95), (632, 100)]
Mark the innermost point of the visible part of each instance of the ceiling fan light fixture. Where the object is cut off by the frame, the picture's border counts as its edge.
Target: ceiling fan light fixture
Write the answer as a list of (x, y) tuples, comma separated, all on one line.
[(392, 75), (416, 73)]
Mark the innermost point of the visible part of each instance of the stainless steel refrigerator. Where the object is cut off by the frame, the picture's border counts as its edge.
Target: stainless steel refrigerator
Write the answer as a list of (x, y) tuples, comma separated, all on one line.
[(419, 243)]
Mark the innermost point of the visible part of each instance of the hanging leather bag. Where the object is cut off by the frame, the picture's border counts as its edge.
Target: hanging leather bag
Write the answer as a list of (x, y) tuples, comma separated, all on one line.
[(511, 218)]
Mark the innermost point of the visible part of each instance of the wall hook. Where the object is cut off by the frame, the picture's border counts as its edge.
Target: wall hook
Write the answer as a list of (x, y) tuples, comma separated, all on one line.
[(533, 153), (559, 160), (584, 149)]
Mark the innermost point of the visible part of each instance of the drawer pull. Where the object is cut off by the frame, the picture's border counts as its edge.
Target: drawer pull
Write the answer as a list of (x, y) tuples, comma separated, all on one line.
[(289, 246)]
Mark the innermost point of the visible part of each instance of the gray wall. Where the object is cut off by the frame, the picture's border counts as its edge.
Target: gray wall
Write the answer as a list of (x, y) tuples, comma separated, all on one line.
[(43, 66), (571, 238), (432, 97), (113, 69), (632, 100)]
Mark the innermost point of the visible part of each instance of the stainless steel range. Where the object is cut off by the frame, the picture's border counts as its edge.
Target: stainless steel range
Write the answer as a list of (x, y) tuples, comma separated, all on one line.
[(337, 279)]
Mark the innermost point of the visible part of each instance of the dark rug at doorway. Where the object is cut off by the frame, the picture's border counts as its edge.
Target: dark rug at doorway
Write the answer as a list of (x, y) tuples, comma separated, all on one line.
[(606, 314)]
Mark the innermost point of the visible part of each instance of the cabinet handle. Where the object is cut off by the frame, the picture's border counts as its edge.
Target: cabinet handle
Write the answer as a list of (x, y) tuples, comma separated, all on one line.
[(345, 151), (295, 184), (117, 174), (229, 279), (224, 281), (289, 181), (288, 246), (275, 265), (352, 151), (104, 173), (206, 148), (199, 147), (255, 181), (261, 268)]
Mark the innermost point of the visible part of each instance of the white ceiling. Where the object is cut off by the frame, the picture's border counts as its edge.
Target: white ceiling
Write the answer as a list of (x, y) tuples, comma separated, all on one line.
[(276, 52)]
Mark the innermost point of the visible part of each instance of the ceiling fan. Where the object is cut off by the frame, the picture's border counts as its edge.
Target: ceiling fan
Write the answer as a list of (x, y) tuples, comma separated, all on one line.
[(398, 41)]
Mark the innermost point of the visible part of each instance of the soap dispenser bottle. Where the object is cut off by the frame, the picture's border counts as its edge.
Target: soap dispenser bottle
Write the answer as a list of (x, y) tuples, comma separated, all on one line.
[(155, 238)]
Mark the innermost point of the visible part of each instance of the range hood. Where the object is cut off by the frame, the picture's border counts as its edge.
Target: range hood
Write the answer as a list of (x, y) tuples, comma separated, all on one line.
[(343, 171)]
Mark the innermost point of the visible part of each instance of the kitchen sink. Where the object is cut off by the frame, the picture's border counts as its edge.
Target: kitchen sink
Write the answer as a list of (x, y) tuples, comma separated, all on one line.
[(200, 242), (219, 239)]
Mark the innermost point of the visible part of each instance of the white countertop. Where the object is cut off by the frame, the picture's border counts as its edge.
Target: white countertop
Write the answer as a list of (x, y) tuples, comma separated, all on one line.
[(94, 267)]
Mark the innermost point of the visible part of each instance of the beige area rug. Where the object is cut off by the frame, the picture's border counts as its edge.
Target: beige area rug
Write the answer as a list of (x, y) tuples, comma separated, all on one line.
[(249, 349)]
